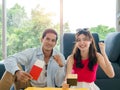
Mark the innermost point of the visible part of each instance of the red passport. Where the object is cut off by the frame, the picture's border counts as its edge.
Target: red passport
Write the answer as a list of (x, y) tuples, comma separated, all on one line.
[(37, 69)]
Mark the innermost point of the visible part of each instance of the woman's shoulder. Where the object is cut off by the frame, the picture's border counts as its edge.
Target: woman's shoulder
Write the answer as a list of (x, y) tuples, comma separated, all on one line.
[(70, 58)]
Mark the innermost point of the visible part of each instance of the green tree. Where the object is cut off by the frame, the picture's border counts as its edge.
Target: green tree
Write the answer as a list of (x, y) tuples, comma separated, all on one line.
[(16, 16), (0, 13), (40, 21), (26, 32), (102, 30)]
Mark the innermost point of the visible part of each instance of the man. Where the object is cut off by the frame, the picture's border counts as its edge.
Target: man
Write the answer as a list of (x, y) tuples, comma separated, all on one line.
[(53, 70)]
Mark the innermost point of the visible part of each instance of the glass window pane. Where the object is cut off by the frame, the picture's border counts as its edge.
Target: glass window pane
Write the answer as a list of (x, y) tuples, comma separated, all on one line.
[(0, 29), (27, 20), (89, 13)]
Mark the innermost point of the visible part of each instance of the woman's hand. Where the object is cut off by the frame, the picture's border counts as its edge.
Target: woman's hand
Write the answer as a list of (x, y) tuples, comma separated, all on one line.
[(65, 85), (102, 47)]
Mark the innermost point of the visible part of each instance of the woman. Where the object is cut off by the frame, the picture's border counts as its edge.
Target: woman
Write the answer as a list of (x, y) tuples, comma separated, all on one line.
[(85, 59)]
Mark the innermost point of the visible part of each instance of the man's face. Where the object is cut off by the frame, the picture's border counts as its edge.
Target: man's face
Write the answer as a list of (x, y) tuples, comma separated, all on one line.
[(49, 41)]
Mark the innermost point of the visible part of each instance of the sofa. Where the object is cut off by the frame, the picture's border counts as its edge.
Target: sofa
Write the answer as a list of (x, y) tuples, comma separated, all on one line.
[(2, 69), (112, 42)]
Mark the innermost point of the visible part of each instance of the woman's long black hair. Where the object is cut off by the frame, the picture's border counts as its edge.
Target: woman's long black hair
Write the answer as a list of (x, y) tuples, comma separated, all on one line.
[(92, 50)]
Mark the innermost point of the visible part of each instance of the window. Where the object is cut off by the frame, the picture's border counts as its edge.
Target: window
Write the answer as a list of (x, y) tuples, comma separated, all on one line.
[(27, 20), (89, 13), (0, 29)]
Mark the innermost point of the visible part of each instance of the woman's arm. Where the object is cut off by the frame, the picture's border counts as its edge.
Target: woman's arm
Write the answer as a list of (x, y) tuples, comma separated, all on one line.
[(70, 63), (104, 62)]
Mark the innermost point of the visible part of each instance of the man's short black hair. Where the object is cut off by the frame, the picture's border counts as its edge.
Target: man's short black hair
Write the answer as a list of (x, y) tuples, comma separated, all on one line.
[(49, 30)]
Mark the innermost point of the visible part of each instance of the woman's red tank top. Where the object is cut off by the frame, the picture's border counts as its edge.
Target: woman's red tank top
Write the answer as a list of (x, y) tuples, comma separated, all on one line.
[(84, 74)]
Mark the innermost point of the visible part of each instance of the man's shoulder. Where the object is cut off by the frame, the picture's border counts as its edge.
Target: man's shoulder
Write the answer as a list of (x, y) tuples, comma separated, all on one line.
[(55, 51), (31, 50)]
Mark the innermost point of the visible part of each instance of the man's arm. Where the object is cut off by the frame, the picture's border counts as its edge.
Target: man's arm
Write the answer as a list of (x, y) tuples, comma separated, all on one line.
[(60, 74), (11, 63)]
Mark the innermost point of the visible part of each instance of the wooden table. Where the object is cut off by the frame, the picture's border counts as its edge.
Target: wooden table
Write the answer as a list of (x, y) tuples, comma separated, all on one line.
[(35, 88)]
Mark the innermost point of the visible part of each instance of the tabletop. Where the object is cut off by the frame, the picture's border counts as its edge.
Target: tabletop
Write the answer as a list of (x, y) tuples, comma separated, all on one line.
[(48, 88)]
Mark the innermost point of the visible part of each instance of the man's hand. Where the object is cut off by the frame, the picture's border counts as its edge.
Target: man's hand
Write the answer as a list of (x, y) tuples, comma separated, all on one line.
[(23, 76), (58, 60)]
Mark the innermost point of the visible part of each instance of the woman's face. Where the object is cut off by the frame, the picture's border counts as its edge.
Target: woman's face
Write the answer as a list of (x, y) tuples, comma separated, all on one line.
[(83, 42)]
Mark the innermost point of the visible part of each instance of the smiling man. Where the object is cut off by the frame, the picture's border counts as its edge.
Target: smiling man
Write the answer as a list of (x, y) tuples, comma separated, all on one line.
[(44, 66)]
